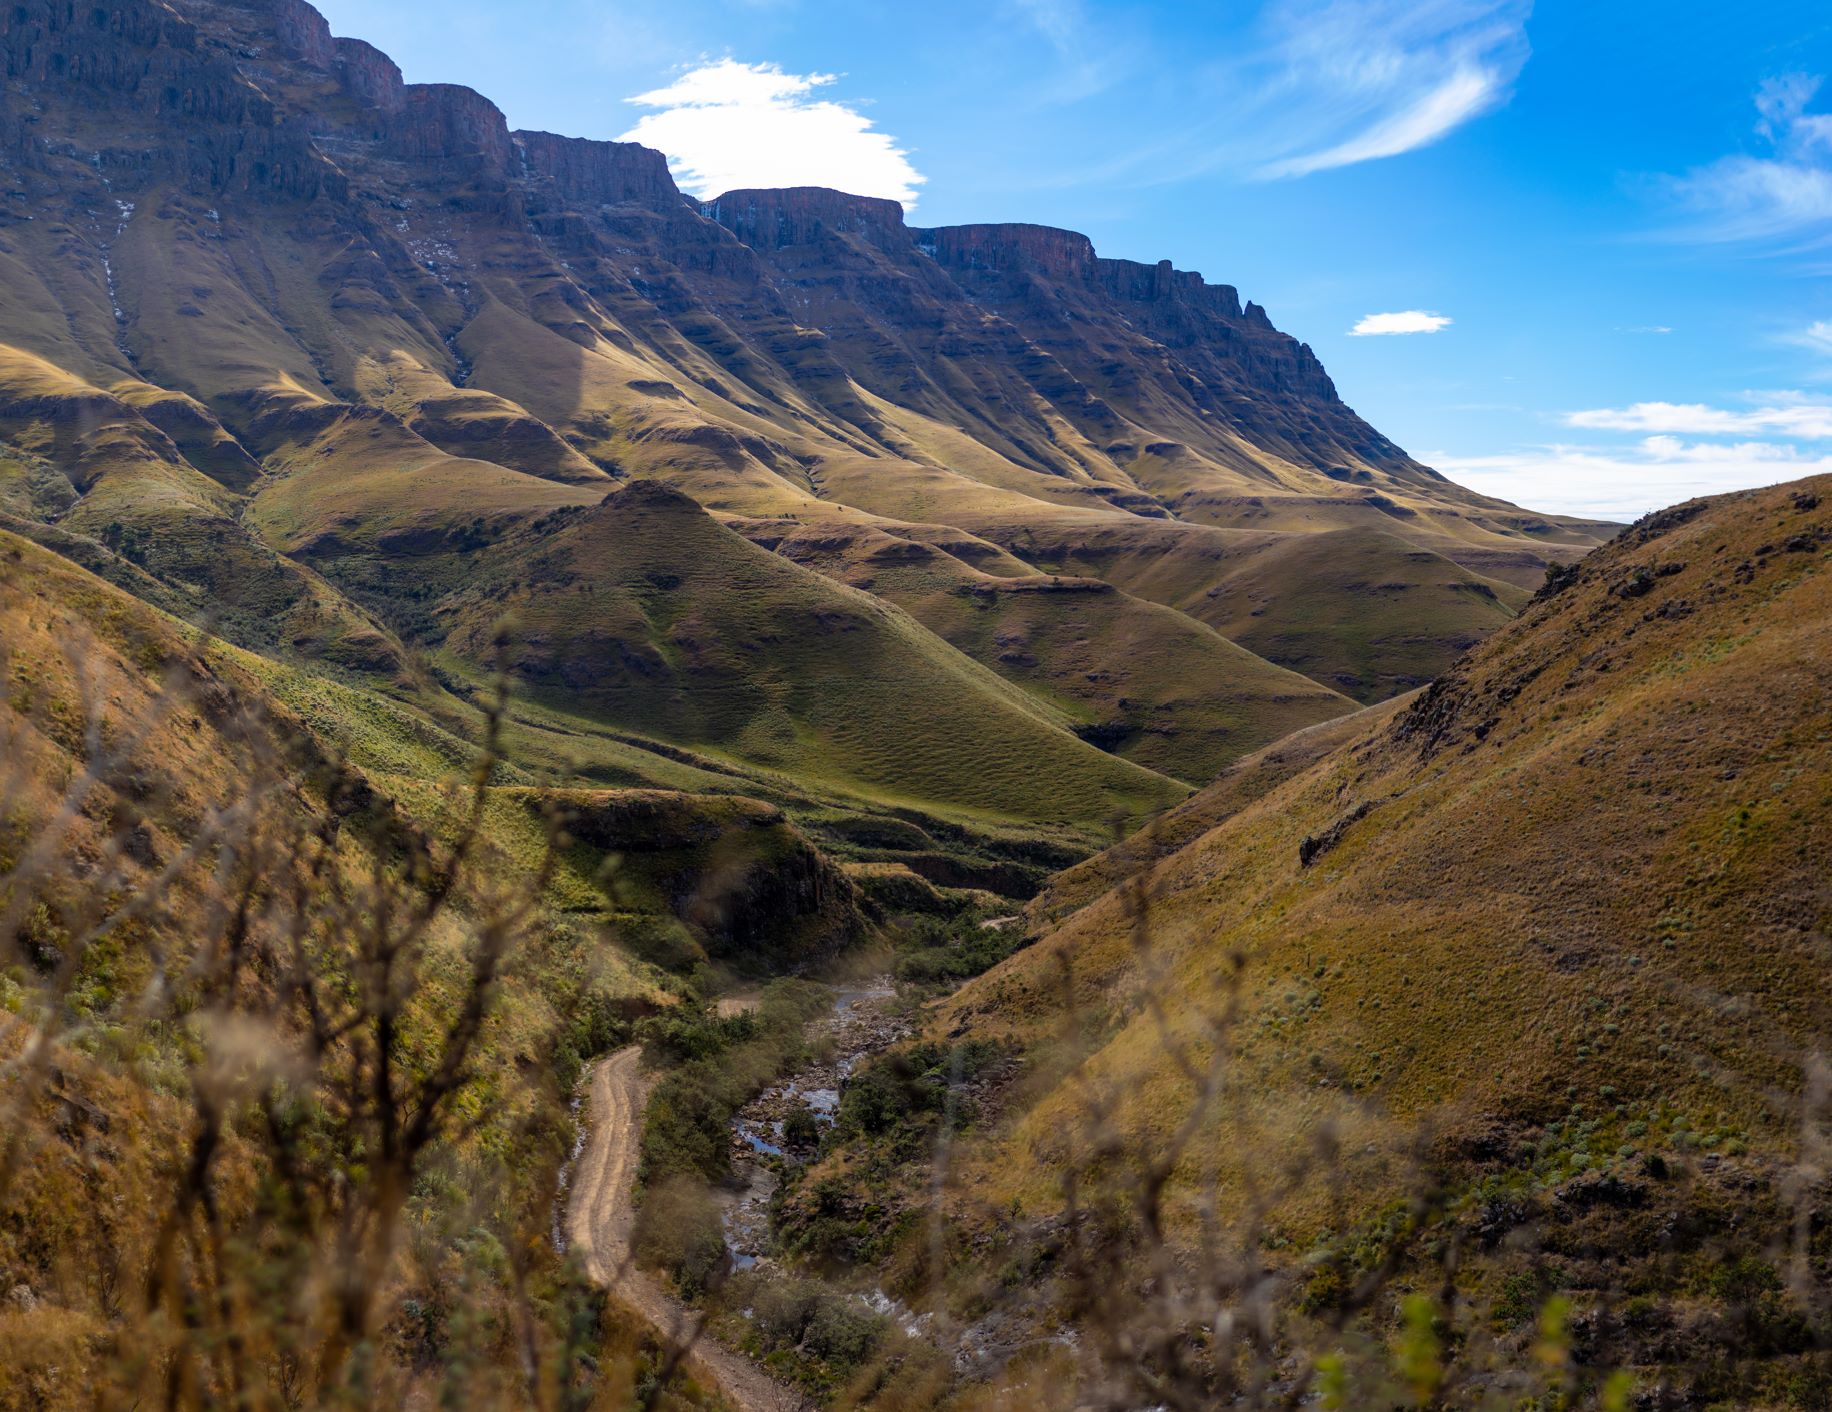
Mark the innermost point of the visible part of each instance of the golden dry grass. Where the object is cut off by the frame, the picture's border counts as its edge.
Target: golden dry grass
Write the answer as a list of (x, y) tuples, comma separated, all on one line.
[(1592, 859)]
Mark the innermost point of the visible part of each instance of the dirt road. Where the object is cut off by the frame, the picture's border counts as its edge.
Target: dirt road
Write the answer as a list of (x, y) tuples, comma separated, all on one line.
[(599, 1221)]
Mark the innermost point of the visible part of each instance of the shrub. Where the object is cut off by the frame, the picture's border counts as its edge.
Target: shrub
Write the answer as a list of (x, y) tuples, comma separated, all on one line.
[(801, 1129), (678, 1229)]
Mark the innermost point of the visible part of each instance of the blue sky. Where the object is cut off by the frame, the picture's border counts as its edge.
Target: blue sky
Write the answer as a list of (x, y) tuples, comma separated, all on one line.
[(1608, 221)]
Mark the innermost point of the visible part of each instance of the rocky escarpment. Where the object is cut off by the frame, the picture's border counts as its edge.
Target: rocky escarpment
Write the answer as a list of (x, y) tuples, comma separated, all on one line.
[(447, 121), (135, 57), (590, 174), (258, 97), (1014, 249), (1087, 333), (369, 76), (774, 219), (1047, 281)]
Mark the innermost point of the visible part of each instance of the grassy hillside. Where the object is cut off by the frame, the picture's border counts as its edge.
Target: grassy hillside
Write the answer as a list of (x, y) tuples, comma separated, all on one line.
[(646, 611), (98, 466), (1241, 785), (1142, 681), (1680, 666), (145, 776), (1563, 913), (1359, 610)]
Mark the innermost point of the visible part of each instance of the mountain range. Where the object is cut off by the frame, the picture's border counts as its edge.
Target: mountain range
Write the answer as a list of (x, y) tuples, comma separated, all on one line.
[(352, 367), (645, 603)]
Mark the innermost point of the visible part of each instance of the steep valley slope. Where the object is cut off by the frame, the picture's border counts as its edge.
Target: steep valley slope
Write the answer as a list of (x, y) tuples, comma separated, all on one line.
[(137, 763), (1538, 955)]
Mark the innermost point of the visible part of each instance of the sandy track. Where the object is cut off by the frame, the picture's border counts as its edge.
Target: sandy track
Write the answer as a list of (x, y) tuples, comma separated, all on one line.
[(600, 1218)]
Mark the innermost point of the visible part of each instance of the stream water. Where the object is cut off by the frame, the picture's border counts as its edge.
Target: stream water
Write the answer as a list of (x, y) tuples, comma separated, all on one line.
[(860, 1025)]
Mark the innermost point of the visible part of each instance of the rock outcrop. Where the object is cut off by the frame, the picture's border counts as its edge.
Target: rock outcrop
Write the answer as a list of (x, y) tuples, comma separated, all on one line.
[(750, 886), (588, 174), (769, 220)]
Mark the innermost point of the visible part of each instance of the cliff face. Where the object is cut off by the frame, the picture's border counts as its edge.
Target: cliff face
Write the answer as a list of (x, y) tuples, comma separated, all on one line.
[(258, 97), (769, 221), (587, 175), (194, 117)]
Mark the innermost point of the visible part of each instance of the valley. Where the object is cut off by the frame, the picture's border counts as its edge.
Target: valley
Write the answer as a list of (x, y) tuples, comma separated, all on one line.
[(617, 799)]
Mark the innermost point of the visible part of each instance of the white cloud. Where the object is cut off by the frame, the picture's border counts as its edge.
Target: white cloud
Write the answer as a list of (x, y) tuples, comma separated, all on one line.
[(1816, 337), (1407, 321), (1356, 80), (1680, 450), (1796, 418), (1784, 197), (1625, 483), (728, 125)]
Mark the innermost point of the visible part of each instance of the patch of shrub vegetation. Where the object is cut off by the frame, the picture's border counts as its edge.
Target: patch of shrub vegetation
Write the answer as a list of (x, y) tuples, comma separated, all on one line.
[(718, 1063), (808, 1332), (890, 1116), (678, 1229), (801, 1129), (936, 953), (1523, 1295), (897, 1095), (714, 1064)]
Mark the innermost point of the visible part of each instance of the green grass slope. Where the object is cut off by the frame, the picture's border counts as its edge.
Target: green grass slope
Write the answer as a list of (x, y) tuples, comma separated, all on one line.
[(1241, 784), (648, 612), (1142, 681), (125, 736), (85, 466), (1361, 611)]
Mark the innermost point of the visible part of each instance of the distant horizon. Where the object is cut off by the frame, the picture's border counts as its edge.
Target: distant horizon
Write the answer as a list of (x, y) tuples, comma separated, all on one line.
[(1556, 284)]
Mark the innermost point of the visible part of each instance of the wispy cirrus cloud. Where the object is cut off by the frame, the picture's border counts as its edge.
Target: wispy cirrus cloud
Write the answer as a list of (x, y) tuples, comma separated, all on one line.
[(1358, 80), (1062, 22), (1792, 416), (1783, 197), (1815, 337), (1405, 321), (1309, 85), (728, 125), (1090, 51)]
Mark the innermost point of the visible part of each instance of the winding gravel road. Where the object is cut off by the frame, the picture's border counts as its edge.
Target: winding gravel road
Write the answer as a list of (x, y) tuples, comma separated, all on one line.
[(600, 1218)]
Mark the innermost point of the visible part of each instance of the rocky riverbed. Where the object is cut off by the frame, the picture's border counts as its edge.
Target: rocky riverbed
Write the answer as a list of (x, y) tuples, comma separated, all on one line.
[(863, 1022)]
